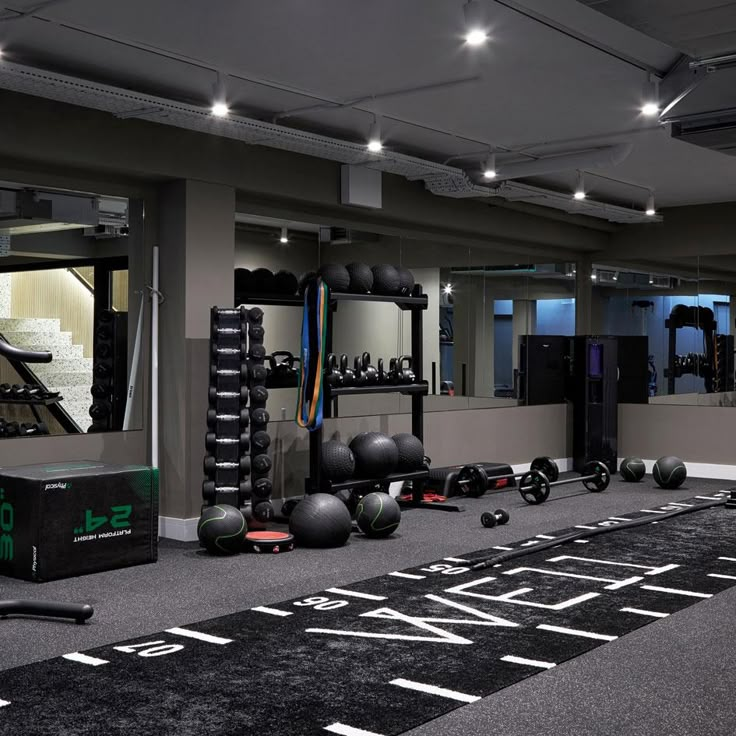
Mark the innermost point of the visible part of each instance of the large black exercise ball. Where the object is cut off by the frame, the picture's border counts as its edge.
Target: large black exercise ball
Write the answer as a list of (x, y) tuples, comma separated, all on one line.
[(222, 529), (361, 277), (669, 472), (335, 276), (632, 469), (262, 281), (406, 281), (320, 520), (378, 515), (376, 455), (338, 462), (243, 286), (285, 282), (386, 280), (304, 279), (411, 452)]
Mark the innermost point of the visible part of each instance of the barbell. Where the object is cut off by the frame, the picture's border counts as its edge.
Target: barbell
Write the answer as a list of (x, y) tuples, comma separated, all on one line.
[(535, 486), (474, 480)]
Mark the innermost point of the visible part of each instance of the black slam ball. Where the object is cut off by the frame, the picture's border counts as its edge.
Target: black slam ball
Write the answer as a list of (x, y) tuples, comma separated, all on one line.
[(376, 455), (406, 281), (221, 529), (632, 469), (411, 452), (669, 472), (386, 280), (361, 277), (305, 279), (378, 515), (338, 462), (243, 281), (262, 281), (320, 520), (335, 276), (285, 282)]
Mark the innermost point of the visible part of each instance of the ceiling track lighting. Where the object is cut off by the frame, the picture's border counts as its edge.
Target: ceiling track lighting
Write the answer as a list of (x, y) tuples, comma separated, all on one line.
[(375, 145), (650, 210), (284, 235), (650, 99), (579, 193), (220, 108), (475, 31), (489, 166)]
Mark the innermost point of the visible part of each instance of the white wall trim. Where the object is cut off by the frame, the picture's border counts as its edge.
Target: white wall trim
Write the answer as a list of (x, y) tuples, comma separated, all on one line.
[(699, 470), (183, 530)]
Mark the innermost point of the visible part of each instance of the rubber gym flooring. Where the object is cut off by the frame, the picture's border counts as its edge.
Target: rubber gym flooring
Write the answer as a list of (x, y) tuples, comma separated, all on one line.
[(673, 676)]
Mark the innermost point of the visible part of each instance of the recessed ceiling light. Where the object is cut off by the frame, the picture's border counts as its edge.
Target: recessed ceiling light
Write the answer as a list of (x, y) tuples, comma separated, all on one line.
[(475, 33), (650, 109), (650, 97), (220, 109), (284, 235), (448, 289), (580, 187), (650, 210), (374, 137), (489, 166)]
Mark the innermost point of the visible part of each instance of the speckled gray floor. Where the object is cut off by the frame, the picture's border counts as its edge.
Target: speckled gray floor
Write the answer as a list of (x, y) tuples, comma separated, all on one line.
[(672, 677)]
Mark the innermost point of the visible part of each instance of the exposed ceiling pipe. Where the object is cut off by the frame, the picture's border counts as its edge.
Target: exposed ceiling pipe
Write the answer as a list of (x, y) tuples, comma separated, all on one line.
[(598, 158)]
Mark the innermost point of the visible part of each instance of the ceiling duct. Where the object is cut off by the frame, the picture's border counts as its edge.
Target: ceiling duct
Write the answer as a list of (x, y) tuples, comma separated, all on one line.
[(440, 179), (343, 236), (25, 211), (715, 130)]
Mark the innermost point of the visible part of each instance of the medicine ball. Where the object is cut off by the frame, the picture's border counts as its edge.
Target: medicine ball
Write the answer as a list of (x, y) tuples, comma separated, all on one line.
[(338, 462), (222, 529), (386, 280), (304, 279), (285, 282), (669, 472), (335, 276), (320, 520), (406, 281), (376, 455), (262, 281), (361, 277), (632, 469), (411, 452), (378, 515)]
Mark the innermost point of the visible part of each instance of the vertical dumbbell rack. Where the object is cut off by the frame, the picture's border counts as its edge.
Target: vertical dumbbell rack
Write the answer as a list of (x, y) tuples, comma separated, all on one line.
[(416, 304)]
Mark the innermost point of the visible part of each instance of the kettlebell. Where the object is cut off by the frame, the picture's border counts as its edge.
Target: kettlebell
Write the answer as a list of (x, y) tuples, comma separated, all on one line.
[(405, 373), (381, 373), (348, 375), (369, 371), (361, 377), (333, 377), (393, 373), (282, 373)]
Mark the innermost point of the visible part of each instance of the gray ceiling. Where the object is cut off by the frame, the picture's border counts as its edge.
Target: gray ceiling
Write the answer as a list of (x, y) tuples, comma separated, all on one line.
[(700, 28), (557, 75)]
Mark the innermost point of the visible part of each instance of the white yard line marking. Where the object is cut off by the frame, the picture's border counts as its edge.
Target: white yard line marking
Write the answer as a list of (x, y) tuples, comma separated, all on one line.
[(651, 570), (675, 591), (723, 577), (84, 659), (342, 730), (545, 536), (408, 575), (576, 632), (728, 559), (582, 526), (531, 662), (355, 594), (618, 518), (581, 541), (651, 511), (3, 703), (677, 503), (642, 612), (272, 611), (612, 584), (709, 498), (198, 635), (454, 559), (434, 690), (505, 549)]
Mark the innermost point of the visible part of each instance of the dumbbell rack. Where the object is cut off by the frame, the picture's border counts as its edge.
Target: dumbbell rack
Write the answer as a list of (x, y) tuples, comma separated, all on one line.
[(417, 303)]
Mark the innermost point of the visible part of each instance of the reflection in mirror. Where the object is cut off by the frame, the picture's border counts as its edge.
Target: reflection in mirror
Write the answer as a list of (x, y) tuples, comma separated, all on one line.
[(64, 290)]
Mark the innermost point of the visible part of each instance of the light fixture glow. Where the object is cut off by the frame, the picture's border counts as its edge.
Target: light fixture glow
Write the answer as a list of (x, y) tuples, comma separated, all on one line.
[(650, 99), (284, 235), (374, 137), (489, 166), (650, 109), (220, 108), (650, 210), (475, 33), (448, 289), (594, 276), (580, 187)]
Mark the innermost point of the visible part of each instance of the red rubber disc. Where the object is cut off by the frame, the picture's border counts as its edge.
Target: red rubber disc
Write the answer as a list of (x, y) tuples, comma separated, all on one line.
[(273, 542)]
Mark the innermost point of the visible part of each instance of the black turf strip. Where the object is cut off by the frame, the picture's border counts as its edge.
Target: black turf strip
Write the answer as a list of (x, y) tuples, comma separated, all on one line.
[(341, 659)]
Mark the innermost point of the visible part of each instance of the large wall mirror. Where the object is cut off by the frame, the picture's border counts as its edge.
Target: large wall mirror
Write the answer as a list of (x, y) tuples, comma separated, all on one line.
[(65, 297), (482, 305)]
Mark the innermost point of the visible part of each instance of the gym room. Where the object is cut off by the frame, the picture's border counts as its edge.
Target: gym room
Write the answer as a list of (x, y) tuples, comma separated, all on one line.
[(367, 368)]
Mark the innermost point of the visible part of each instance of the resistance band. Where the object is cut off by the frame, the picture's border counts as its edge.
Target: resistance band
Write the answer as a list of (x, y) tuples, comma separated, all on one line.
[(314, 343)]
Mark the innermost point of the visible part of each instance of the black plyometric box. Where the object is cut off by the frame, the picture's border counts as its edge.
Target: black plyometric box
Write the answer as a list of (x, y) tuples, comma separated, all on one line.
[(66, 519)]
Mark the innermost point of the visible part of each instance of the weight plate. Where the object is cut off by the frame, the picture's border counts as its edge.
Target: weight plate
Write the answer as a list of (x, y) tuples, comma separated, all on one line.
[(472, 481), (534, 487), (601, 476), (547, 466)]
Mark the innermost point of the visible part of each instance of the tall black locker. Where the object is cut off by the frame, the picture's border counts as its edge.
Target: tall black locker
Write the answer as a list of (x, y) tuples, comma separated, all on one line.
[(542, 369), (594, 396)]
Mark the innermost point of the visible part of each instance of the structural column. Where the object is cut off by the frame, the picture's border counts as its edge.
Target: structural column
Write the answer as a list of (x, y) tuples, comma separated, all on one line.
[(583, 296)]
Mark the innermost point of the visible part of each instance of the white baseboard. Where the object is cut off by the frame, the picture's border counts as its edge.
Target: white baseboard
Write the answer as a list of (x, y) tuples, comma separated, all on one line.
[(699, 470), (183, 530)]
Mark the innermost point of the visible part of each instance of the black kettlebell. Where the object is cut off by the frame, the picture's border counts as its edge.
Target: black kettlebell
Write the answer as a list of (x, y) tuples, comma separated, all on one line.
[(404, 371), (348, 375), (369, 371), (361, 378), (333, 377), (381, 373), (393, 371), (282, 373)]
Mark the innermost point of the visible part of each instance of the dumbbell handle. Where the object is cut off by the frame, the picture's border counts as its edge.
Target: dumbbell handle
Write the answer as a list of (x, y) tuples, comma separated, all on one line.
[(567, 481)]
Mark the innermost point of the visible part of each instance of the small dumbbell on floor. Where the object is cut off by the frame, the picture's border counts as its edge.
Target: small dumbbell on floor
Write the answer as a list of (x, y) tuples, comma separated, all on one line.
[(499, 516)]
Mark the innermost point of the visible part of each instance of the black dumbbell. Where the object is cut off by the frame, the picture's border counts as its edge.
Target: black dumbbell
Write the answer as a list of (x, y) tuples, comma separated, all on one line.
[(262, 488), (499, 516), (259, 417), (213, 417), (213, 394), (261, 464), (211, 465), (261, 441)]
